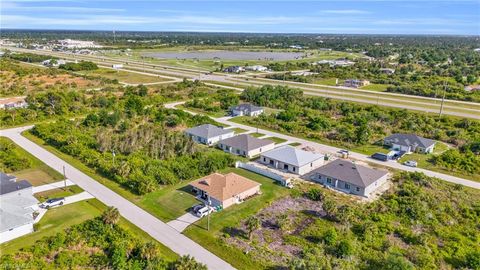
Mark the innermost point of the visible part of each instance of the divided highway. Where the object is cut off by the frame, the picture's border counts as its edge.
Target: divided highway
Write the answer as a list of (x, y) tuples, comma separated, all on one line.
[(425, 104)]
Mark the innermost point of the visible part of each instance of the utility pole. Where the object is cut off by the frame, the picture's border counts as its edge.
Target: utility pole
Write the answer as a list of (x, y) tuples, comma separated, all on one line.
[(113, 158), (443, 98), (64, 178)]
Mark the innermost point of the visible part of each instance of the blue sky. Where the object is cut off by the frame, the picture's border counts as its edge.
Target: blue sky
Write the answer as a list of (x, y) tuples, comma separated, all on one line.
[(350, 17)]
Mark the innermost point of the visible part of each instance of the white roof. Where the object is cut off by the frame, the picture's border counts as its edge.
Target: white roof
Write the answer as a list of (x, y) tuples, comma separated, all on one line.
[(291, 155)]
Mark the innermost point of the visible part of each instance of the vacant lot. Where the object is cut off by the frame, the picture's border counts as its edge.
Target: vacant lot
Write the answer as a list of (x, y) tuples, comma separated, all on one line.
[(124, 76)]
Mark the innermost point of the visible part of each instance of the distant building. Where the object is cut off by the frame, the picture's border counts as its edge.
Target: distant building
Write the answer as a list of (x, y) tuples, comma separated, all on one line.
[(256, 68), (246, 109), (54, 62), (292, 159), (234, 69), (245, 145), (356, 83), (472, 88), (75, 44), (349, 177), (17, 206), (298, 47), (220, 190), (337, 63), (409, 143), (387, 70), (209, 134), (13, 103)]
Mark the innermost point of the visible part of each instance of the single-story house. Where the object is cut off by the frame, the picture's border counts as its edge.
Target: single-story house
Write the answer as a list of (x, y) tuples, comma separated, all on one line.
[(224, 190), (13, 103), (409, 143), (246, 109), (17, 206), (349, 177), (246, 145), (209, 134), (472, 88), (292, 159), (356, 83), (234, 69)]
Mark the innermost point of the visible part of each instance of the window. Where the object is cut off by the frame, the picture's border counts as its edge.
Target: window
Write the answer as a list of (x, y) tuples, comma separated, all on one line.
[(358, 189), (285, 166), (264, 160), (329, 180), (293, 168), (347, 186), (311, 164)]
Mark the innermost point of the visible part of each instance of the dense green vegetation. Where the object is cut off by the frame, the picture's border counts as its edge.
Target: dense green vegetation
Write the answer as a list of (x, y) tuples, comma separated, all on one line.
[(221, 101), (350, 125), (138, 145), (27, 57), (98, 243), (421, 223), (80, 66), (10, 159)]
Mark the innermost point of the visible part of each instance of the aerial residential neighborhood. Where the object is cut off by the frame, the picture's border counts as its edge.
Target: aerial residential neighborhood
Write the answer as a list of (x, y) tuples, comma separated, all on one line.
[(194, 135)]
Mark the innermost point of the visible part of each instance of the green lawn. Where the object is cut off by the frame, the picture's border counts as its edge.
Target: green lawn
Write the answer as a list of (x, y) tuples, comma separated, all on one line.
[(239, 130), (170, 202), (124, 76), (200, 111), (58, 192), (231, 217), (294, 144), (326, 81), (370, 149), (276, 140), (376, 87), (257, 135), (38, 173), (56, 220)]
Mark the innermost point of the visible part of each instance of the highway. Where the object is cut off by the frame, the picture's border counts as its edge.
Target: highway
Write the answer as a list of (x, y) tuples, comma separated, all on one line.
[(418, 103)]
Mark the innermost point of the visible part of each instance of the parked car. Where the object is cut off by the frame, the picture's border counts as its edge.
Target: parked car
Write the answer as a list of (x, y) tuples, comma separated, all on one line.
[(204, 211), (410, 163), (197, 207), (52, 202), (380, 156)]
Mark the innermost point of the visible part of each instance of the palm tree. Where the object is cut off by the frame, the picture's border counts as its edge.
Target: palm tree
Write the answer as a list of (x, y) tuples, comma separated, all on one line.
[(149, 251), (253, 223), (111, 216)]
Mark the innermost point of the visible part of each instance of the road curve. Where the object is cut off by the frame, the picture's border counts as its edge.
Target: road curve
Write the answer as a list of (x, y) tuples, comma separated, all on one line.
[(165, 234)]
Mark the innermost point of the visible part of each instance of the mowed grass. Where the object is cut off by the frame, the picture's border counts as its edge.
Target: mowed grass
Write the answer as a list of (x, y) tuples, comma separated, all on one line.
[(257, 135), (55, 221), (58, 193), (125, 76), (38, 173), (376, 87), (276, 140), (231, 217), (169, 202), (239, 130)]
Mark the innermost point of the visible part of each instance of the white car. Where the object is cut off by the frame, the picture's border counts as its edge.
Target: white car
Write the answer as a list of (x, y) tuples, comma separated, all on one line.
[(52, 202), (204, 211), (410, 163)]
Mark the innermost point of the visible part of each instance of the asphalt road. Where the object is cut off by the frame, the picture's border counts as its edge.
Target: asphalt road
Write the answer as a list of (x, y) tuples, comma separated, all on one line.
[(333, 150), (162, 232)]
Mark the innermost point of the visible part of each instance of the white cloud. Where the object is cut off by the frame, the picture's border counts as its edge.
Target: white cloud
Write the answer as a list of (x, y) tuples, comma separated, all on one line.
[(346, 11)]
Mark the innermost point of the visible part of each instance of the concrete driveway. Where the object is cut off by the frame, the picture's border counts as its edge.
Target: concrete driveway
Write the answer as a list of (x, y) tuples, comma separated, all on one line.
[(159, 230), (181, 223), (47, 187)]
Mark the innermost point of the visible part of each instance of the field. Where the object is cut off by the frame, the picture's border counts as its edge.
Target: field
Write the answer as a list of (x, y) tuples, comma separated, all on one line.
[(276, 140), (257, 135), (124, 76)]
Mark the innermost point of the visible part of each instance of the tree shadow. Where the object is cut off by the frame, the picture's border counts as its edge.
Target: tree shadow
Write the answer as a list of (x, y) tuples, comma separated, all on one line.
[(235, 232)]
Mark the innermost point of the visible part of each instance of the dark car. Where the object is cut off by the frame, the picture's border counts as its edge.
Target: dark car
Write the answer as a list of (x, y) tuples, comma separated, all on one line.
[(380, 156)]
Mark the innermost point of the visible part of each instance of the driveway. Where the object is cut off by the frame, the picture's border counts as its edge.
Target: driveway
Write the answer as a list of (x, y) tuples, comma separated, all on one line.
[(333, 150), (47, 187), (160, 231), (68, 200), (181, 223)]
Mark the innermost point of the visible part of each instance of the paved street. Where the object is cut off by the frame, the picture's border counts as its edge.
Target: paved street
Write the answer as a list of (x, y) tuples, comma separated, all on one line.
[(333, 150), (148, 223)]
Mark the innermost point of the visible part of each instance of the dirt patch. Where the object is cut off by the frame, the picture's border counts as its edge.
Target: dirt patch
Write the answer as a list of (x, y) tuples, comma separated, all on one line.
[(287, 216)]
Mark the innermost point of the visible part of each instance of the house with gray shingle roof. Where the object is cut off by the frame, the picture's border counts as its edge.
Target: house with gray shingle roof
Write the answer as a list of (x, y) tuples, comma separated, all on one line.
[(209, 134), (246, 109), (409, 143), (349, 177), (245, 145), (17, 206), (292, 159)]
